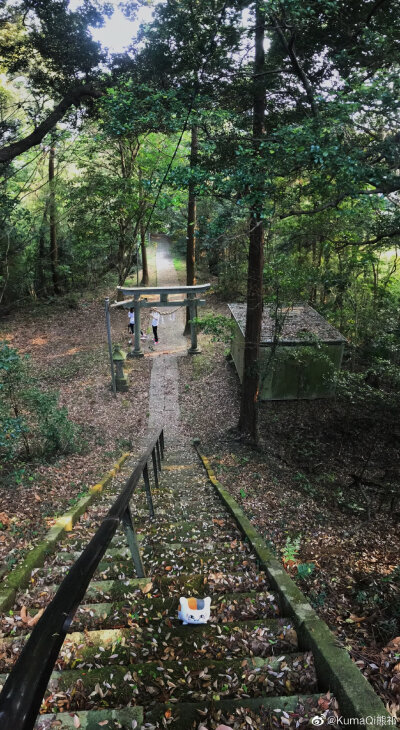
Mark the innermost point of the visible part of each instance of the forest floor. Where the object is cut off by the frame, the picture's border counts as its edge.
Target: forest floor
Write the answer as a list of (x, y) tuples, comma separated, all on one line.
[(67, 349), (299, 485)]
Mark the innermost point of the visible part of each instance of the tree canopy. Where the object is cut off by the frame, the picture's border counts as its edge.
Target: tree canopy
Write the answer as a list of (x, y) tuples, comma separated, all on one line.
[(297, 145)]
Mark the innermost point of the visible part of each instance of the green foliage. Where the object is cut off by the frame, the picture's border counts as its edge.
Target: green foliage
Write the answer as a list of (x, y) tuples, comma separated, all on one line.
[(219, 326), (291, 548), (56, 433), (304, 570), (31, 420), (304, 484), (372, 392), (318, 599), (394, 576), (13, 425)]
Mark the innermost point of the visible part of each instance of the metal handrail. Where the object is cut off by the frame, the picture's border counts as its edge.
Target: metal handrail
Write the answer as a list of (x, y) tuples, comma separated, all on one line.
[(25, 686)]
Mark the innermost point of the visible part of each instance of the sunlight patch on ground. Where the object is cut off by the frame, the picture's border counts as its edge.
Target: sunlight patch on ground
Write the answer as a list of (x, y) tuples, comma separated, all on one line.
[(39, 341)]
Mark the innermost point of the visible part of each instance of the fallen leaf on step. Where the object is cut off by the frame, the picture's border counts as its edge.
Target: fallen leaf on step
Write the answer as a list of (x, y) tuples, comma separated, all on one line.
[(147, 588), (77, 722)]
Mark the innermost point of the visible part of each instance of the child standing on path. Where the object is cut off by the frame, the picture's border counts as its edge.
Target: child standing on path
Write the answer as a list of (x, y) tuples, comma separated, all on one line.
[(131, 325), (154, 323)]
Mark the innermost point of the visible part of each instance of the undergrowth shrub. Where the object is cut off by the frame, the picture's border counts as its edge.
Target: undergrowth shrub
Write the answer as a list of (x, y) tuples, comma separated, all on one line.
[(31, 421), (220, 327)]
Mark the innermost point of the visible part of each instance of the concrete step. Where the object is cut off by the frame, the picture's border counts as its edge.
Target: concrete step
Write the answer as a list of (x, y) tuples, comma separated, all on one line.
[(191, 680), (112, 555), (138, 642), (273, 711), (175, 562), (167, 585), (224, 608), (126, 717)]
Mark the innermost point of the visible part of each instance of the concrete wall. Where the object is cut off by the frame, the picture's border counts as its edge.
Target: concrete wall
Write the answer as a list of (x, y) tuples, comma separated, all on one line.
[(301, 371)]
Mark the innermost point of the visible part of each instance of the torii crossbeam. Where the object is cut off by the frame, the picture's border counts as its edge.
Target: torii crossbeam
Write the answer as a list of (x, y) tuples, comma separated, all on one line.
[(136, 292)]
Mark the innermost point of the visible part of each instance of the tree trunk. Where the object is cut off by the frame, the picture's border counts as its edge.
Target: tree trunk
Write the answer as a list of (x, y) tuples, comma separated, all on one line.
[(248, 419), (191, 224), (142, 207), (41, 264), (52, 222), (145, 269), (73, 97)]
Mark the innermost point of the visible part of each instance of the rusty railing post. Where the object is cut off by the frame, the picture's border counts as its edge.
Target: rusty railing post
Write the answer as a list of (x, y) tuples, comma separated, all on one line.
[(155, 469), (158, 455), (148, 490), (132, 542)]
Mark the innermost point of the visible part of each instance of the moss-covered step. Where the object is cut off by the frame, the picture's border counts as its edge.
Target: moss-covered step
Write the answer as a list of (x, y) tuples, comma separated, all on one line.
[(238, 607), (113, 554), (336, 671), (118, 554), (123, 569), (194, 680), (197, 584), (129, 717), (186, 531), (98, 591), (146, 643), (164, 503), (197, 515), (232, 550), (137, 642), (188, 715), (187, 561), (109, 592), (224, 608)]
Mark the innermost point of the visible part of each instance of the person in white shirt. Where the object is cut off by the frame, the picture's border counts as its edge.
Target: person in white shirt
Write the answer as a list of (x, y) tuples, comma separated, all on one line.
[(154, 323), (131, 325)]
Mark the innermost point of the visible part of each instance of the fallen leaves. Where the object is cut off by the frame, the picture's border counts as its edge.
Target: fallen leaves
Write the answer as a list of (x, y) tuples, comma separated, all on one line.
[(4, 521)]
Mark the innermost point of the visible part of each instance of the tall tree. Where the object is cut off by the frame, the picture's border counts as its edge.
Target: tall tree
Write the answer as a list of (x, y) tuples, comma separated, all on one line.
[(249, 398), (191, 219), (142, 206), (53, 218), (52, 47)]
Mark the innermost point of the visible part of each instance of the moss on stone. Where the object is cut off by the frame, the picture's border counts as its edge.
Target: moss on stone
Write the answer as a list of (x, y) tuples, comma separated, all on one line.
[(335, 670), (91, 720)]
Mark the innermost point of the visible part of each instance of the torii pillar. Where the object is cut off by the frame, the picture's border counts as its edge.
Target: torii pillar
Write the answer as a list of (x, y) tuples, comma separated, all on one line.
[(134, 294)]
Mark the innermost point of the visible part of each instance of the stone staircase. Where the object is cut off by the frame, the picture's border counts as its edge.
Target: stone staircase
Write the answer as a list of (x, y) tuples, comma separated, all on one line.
[(129, 663)]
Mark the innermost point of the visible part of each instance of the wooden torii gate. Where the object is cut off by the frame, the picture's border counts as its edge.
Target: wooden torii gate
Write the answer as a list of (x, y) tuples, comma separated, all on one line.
[(136, 292)]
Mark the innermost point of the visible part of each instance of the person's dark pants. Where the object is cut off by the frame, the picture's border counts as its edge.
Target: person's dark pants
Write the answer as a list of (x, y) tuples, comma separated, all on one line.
[(155, 333), (131, 328)]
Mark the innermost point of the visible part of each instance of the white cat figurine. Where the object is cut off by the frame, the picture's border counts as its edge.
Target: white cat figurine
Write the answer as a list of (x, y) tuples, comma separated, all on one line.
[(194, 610)]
